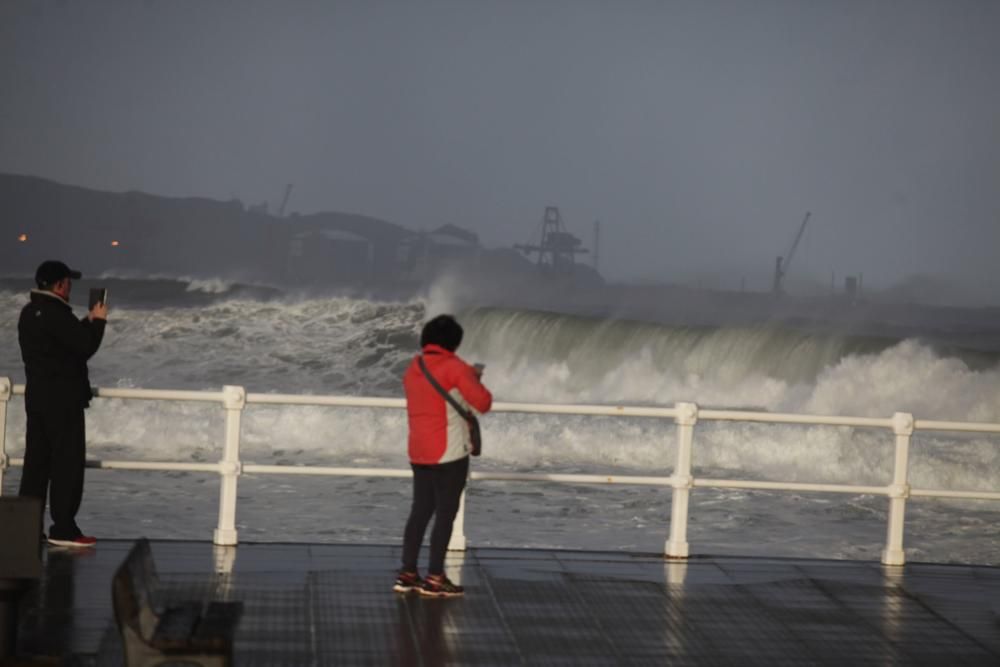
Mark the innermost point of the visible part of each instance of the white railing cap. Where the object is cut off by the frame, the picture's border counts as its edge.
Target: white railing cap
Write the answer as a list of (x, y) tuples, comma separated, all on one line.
[(902, 423), (687, 414), (234, 397)]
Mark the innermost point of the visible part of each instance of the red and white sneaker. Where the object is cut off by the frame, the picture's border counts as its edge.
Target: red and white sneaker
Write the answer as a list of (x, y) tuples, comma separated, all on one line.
[(81, 542), (440, 586), (407, 582)]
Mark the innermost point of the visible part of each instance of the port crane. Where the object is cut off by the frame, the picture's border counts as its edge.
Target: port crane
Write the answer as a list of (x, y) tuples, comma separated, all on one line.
[(284, 201), (558, 248), (781, 264)]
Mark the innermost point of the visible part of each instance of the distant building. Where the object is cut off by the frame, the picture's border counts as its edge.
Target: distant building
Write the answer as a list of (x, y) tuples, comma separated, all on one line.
[(425, 254), (329, 255)]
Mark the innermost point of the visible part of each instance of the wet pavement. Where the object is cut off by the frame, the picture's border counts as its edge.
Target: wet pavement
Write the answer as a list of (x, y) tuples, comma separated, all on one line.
[(307, 604)]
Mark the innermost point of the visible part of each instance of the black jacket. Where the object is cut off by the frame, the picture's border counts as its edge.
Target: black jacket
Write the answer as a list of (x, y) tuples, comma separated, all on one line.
[(55, 347)]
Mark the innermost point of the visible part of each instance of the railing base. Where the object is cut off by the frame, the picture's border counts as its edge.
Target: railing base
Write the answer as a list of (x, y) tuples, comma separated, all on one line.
[(676, 550), (225, 538), (894, 557)]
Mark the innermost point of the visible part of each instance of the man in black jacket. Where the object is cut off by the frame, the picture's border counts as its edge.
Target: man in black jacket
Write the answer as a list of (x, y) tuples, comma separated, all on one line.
[(55, 347)]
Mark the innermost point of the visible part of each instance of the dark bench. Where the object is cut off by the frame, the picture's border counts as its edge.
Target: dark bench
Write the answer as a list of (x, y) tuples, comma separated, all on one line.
[(20, 562), (153, 633)]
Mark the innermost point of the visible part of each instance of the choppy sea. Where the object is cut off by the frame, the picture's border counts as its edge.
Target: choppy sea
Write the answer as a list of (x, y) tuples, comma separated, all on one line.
[(204, 334)]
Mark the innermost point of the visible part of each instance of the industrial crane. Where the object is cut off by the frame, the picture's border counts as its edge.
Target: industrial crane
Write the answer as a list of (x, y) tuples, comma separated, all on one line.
[(284, 200), (781, 264), (558, 248)]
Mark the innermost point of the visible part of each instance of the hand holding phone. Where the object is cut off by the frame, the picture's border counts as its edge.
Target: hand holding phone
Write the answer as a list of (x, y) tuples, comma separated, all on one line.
[(98, 303), (97, 295), (479, 368)]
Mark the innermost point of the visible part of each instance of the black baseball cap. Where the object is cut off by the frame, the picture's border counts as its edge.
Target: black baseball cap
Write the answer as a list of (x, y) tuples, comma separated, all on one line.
[(52, 271)]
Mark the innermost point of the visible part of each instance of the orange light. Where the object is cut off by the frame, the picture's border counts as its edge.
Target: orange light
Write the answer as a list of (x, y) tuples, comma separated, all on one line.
[(23, 238), (114, 244)]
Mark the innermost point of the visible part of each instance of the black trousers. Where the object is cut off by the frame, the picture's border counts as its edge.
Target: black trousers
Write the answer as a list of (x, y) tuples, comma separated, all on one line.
[(54, 459), (437, 490)]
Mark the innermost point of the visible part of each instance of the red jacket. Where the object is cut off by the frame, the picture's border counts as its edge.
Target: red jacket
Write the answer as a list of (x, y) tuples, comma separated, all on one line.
[(438, 434)]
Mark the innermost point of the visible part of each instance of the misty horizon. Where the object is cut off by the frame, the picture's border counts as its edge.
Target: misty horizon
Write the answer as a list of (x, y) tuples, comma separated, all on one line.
[(698, 134)]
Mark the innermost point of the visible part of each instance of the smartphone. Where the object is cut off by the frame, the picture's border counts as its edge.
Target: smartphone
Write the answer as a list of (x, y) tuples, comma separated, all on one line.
[(98, 295), (479, 367)]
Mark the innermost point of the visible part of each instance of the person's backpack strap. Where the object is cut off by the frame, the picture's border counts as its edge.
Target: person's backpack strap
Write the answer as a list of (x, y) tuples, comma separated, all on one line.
[(468, 416), (475, 435)]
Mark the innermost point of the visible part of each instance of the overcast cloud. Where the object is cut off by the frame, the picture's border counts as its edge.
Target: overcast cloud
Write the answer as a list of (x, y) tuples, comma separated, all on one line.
[(699, 132)]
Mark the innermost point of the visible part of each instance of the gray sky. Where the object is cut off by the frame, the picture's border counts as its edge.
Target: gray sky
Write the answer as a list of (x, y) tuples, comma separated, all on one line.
[(698, 132)]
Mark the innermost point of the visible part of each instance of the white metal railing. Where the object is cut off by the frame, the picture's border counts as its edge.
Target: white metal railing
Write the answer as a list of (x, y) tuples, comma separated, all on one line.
[(685, 415)]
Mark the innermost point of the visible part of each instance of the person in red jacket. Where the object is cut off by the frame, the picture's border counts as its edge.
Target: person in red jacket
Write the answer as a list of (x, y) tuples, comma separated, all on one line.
[(439, 447)]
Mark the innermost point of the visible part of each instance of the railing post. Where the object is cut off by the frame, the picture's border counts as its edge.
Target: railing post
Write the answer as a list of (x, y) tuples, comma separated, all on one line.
[(899, 490), (687, 417), (233, 399), (5, 392), (457, 541)]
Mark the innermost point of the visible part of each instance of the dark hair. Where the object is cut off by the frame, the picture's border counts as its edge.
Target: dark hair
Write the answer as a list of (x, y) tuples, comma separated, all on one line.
[(443, 330)]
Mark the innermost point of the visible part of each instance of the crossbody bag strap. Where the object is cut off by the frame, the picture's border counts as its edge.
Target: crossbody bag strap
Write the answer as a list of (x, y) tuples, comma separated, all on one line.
[(448, 397)]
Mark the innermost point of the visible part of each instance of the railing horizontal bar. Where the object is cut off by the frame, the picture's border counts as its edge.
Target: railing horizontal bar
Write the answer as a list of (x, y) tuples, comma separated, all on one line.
[(931, 425), (488, 476), (161, 394), (788, 486), (780, 418), (706, 414), (152, 465), (324, 470), (517, 477), (970, 495), (599, 410), (339, 401), (571, 478)]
